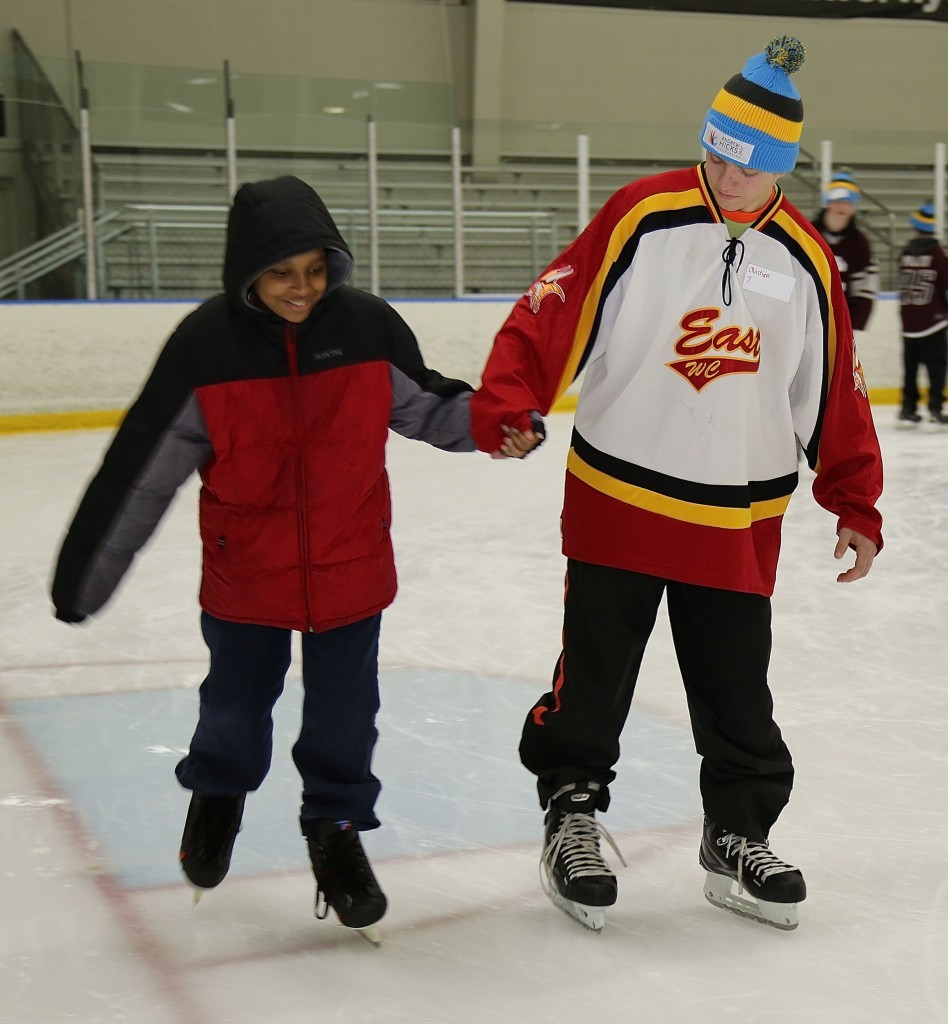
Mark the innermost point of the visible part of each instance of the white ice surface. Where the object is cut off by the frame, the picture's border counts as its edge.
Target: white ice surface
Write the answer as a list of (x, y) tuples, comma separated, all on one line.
[(860, 686)]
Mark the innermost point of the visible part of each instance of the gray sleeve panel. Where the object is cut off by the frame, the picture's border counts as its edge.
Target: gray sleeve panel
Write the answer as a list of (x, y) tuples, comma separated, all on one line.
[(424, 416), (183, 448)]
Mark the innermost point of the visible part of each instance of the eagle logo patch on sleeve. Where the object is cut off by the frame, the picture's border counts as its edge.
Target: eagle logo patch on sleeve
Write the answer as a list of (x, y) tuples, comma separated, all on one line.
[(547, 285), (859, 378)]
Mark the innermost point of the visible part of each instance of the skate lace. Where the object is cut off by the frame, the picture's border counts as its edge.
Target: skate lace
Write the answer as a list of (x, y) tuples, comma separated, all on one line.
[(577, 839), (347, 868), (757, 858)]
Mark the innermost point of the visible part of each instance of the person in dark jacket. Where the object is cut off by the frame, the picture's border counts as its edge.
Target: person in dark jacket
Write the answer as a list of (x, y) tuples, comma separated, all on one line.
[(836, 222), (923, 295), (280, 392)]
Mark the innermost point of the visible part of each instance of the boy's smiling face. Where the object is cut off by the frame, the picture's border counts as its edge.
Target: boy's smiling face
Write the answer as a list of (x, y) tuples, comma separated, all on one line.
[(291, 288)]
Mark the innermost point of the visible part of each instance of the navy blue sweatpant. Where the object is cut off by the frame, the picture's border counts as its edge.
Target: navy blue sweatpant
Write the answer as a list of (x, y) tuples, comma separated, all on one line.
[(233, 743)]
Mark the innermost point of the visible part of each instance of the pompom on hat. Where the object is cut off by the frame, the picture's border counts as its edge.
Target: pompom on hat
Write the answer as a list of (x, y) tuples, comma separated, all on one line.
[(842, 188), (757, 118), (923, 219)]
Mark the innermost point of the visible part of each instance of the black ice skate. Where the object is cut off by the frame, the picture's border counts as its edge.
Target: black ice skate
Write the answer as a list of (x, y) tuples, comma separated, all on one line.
[(572, 871), (210, 831), (344, 878), (775, 887), (908, 418)]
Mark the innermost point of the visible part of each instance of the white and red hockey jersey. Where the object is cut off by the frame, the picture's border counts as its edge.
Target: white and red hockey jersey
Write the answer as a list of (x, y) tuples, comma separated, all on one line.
[(700, 377)]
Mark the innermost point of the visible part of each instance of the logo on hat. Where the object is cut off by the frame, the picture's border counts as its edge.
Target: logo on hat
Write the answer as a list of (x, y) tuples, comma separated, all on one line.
[(726, 146)]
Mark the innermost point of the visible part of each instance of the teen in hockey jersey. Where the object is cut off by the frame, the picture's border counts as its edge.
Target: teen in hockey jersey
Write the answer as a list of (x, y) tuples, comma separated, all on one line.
[(923, 293), (836, 221), (280, 393), (709, 318)]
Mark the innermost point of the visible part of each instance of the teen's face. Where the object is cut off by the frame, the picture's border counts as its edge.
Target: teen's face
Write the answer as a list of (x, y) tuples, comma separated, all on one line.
[(293, 287), (838, 214), (737, 189)]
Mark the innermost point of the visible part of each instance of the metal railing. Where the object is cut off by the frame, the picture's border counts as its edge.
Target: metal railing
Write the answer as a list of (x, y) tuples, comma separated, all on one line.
[(498, 230), (154, 250)]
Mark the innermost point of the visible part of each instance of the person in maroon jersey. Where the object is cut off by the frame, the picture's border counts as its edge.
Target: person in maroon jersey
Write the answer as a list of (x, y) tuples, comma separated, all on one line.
[(923, 295), (857, 268), (280, 392)]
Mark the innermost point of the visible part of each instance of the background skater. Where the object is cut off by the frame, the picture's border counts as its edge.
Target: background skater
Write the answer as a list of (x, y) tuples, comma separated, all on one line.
[(923, 296), (838, 225)]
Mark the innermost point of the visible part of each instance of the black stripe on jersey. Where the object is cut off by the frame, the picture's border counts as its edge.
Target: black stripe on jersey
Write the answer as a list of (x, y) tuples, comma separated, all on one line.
[(661, 220), (812, 445), (716, 495), (782, 106)]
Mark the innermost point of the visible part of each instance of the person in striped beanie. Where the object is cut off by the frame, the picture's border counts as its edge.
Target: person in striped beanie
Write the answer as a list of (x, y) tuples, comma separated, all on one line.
[(708, 320), (850, 244), (923, 219), (923, 305)]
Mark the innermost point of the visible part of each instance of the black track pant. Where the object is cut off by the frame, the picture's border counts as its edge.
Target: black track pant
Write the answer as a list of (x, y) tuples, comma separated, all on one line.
[(932, 353), (722, 641)]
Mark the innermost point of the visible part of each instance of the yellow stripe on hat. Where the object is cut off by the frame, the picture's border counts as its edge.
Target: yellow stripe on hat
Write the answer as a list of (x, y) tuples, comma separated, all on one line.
[(756, 117), (845, 183)]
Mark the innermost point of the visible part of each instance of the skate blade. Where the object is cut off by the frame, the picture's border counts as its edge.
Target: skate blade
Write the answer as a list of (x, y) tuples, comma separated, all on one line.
[(371, 935), (717, 891), (591, 918)]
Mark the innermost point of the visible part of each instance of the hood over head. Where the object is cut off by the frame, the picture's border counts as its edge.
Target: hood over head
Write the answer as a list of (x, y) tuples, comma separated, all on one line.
[(274, 220)]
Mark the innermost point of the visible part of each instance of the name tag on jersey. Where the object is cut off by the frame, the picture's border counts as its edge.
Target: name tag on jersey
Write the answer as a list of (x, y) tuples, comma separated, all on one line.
[(768, 282)]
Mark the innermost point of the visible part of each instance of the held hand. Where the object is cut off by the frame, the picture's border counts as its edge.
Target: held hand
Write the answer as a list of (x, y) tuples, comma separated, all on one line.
[(518, 444), (865, 553)]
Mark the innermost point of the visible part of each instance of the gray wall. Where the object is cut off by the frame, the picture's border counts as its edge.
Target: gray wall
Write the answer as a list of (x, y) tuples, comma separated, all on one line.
[(878, 88), (637, 82)]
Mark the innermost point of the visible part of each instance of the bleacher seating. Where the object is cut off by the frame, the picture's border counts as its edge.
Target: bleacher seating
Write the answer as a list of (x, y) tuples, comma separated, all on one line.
[(172, 208)]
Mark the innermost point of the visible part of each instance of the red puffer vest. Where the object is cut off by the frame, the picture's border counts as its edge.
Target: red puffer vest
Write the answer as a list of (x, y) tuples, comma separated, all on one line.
[(295, 507)]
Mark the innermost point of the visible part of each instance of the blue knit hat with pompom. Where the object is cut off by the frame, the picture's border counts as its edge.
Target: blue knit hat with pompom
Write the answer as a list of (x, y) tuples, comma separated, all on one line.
[(842, 187), (923, 219), (757, 118)]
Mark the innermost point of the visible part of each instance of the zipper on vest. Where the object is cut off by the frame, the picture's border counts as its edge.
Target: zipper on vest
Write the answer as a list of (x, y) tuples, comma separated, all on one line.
[(292, 357)]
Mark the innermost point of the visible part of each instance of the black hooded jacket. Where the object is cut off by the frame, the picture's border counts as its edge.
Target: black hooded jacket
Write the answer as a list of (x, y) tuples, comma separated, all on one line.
[(286, 424)]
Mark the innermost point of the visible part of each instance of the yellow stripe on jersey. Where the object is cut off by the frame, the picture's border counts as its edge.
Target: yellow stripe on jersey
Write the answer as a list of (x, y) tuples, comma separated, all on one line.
[(621, 233), (675, 508)]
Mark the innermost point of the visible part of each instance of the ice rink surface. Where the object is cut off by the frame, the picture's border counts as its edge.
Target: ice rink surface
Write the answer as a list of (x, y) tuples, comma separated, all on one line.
[(97, 927)]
